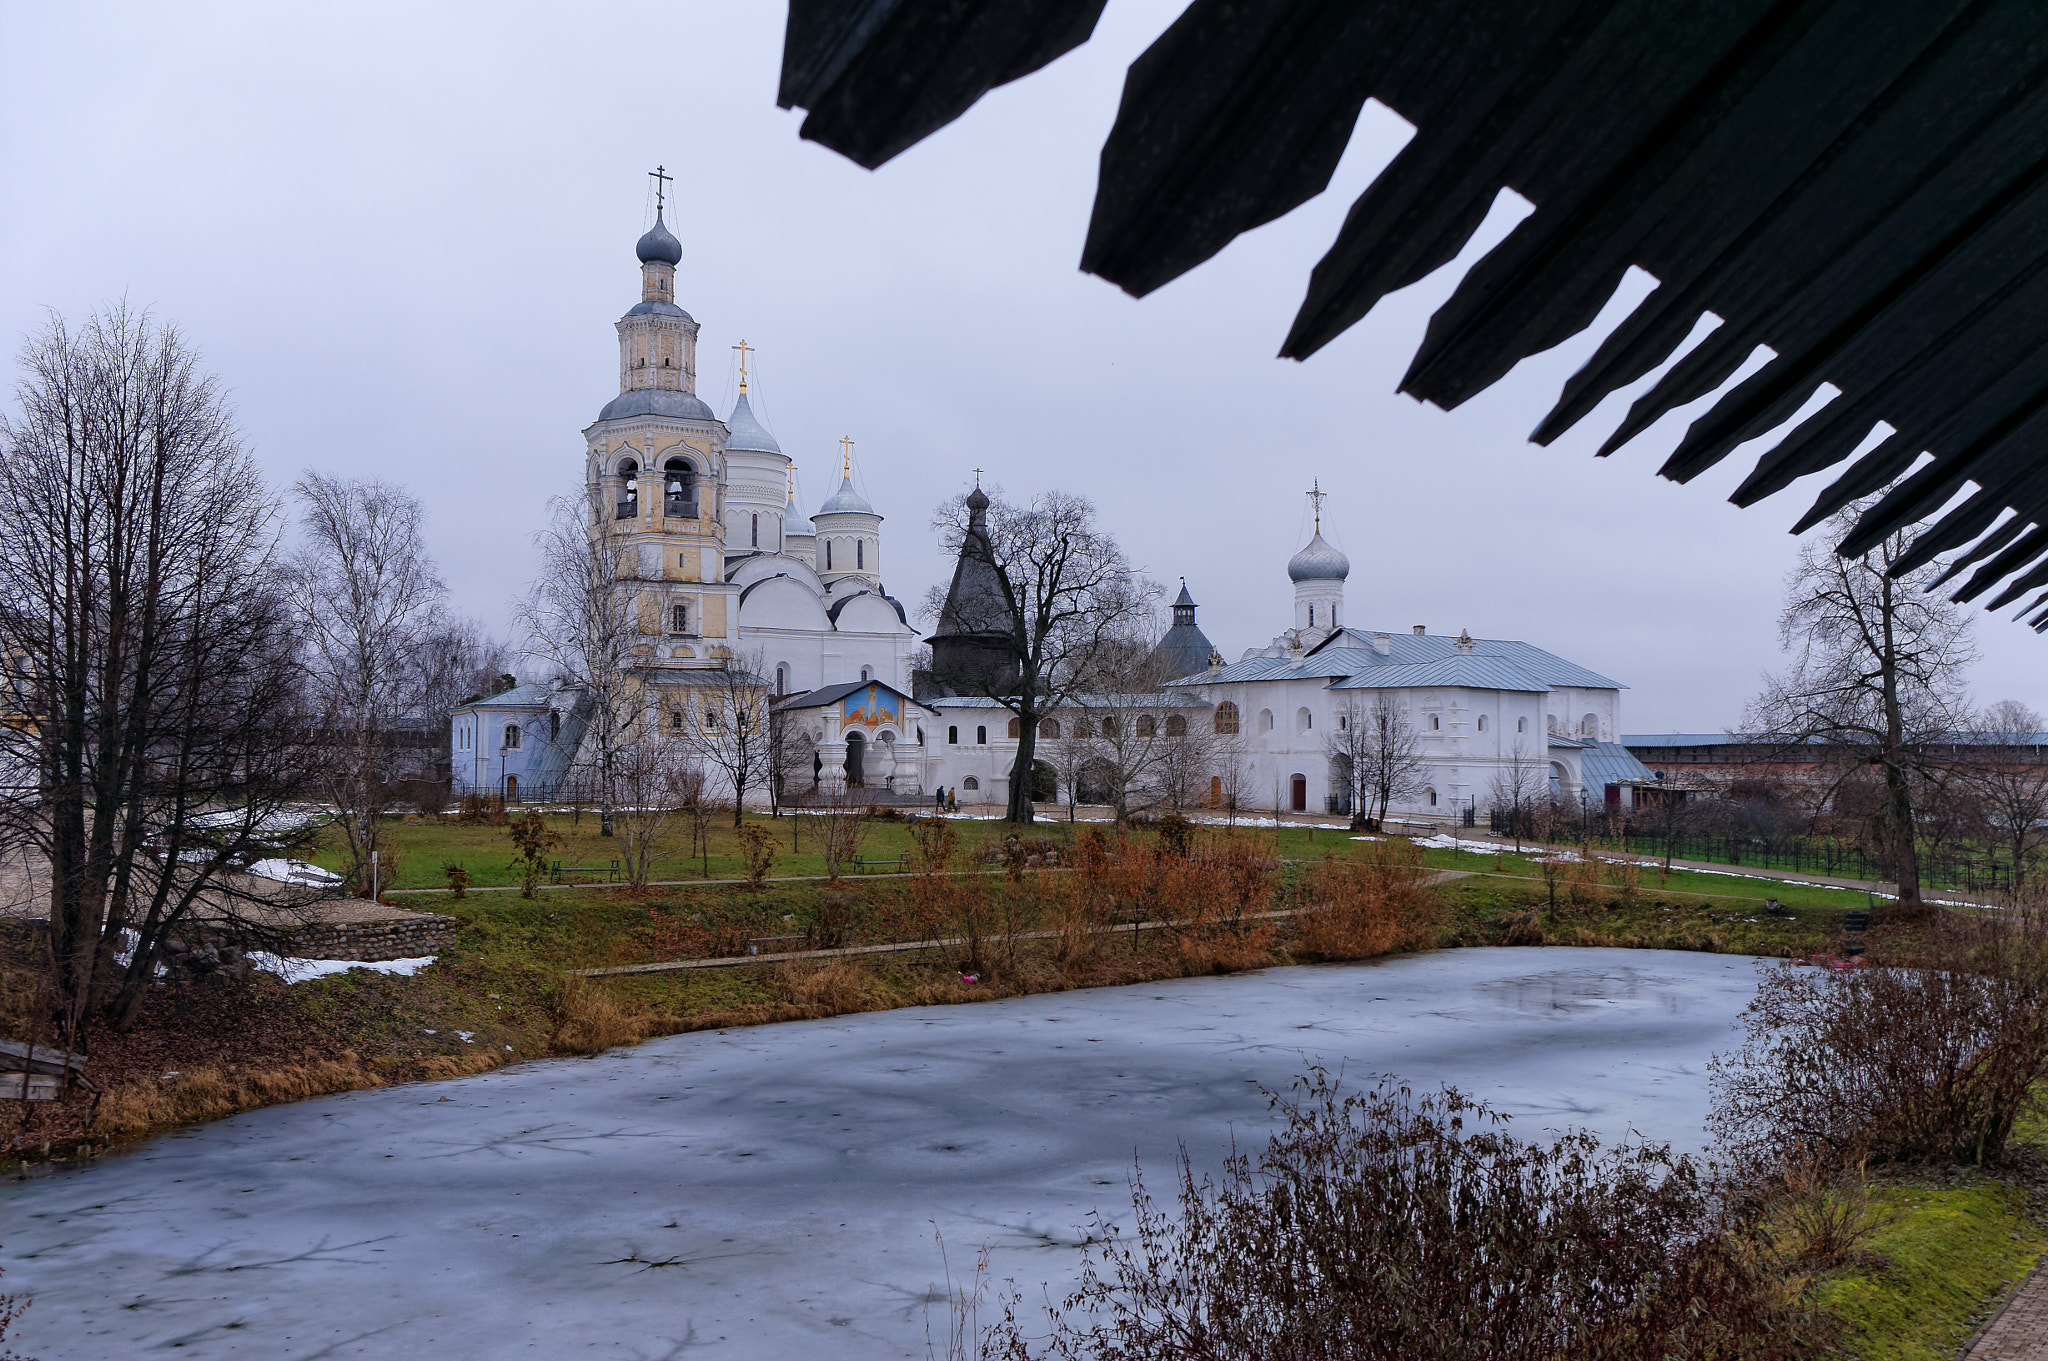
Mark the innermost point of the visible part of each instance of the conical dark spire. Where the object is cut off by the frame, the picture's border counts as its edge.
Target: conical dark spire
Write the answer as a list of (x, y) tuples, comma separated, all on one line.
[(974, 650)]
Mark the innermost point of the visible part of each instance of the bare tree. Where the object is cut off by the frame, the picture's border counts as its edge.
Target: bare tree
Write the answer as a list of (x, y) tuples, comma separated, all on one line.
[(1380, 752), (1069, 744), (1875, 679), (721, 719), (1519, 784), (1063, 591), (368, 601), (580, 619), (654, 783), (145, 638), (792, 758), (2003, 768)]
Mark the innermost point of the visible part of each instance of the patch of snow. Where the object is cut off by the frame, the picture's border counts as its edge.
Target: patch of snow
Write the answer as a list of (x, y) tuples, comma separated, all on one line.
[(301, 970), (1444, 841), (1368, 838), (295, 872), (467, 1036)]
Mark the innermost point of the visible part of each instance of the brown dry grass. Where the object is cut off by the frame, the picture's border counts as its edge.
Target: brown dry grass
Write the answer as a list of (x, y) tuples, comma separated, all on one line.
[(1372, 905), (141, 1106)]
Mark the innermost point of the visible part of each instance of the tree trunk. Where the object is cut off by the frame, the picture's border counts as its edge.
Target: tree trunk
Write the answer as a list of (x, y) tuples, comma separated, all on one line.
[(1898, 789), (1022, 772)]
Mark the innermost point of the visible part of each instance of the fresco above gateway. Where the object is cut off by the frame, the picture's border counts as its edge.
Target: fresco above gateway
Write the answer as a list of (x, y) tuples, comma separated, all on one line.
[(871, 708)]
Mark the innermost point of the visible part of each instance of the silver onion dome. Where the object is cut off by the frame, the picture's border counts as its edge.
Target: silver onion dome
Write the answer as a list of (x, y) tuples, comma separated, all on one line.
[(659, 244), (1319, 561)]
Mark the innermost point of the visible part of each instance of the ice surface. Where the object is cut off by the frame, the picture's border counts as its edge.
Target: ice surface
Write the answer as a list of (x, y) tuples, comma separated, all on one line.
[(772, 1192)]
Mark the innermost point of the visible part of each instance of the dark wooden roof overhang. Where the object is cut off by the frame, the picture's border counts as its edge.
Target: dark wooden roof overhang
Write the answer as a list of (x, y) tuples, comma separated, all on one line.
[(1860, 185)]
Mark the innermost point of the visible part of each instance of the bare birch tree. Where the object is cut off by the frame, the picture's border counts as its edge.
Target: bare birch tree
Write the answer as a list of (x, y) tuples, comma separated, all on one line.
[(1064, 592), (369, 602), (1875, 678), (144, 634), (1381, 753), (579, 619)]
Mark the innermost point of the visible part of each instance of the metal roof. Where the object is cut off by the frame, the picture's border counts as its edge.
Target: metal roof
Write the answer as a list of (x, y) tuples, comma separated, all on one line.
[(744, 431), (1470, 672), (1862, 187), (656, 402), (1351, 653), (1318, 560), (659, 244), (832, 694), (1678, 739), (519, 697), (846, 500), (1605, 763)]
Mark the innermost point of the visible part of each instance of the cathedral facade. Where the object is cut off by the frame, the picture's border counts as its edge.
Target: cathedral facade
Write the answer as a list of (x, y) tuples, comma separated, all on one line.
[(717, 564)]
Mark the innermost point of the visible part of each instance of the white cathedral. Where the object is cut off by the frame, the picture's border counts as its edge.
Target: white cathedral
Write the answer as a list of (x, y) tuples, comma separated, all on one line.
[(722, 570), (721, 563)]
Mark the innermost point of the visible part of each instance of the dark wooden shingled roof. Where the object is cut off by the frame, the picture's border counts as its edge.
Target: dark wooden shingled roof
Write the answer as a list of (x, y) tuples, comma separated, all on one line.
[(1858, 184)]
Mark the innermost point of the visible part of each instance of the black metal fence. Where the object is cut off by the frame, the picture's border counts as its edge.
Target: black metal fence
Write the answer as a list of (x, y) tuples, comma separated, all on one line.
[(1799, 854)]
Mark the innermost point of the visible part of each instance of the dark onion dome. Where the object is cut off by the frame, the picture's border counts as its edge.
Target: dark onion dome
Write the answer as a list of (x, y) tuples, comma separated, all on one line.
[(1319, 561), (976, 501), (659, 244), (846, 500), (745, 432), (656, 402)]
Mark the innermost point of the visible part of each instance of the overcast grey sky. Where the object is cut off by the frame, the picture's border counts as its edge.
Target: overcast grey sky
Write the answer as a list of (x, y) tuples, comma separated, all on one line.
[(401, 233)]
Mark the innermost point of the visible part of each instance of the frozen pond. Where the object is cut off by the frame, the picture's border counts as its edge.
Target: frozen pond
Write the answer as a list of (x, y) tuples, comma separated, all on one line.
[(772, 1192)]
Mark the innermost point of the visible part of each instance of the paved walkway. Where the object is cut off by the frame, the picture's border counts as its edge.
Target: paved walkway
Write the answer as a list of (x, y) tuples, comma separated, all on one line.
[(2020, 1330)]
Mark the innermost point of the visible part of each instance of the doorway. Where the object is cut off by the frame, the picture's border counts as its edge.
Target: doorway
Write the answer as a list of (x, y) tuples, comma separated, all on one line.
[(1299, 800), (856, 748)]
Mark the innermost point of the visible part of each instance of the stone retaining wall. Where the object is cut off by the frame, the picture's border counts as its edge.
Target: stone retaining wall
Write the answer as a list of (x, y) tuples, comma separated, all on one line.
[(406, 937)]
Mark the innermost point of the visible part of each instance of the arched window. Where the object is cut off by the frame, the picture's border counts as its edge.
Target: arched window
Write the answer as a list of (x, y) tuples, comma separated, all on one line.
[(511, 737), (1226, 719), (1589, 726), (1304, 721), (1265, 720), (860, 554), (755, 541), (679, 619), (1521, 725), (1550, 723), (828, 555), (1049, 728), (1482, 722), (1311, 616), (865, 675), (1146, 726), (1082, 728), (714, 717), (675, 721), (980, 735), (970, 783), (1109, 726), (1343, 722), (1430, 794), (1436, 722), (1176, 725), (554, 725), (629, 494), (679, 488), (953, 736), (1016, 728), (782, 680)]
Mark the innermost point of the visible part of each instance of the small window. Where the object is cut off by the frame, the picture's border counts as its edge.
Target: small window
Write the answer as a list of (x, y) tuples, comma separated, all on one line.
[(1521, 725), (1436, 723), (1482, 722), (1432, 797), (864, 674), (554, 725), (952, 736), (981, 736), (1176, 725), (1082, 729), (682, 562), (1343, 722), (1265, 720), (860, 554), (714, 717), (781, 680), (970, 783), (755, 541), (1016, 728), (675, 721), (1311, 616), (1109, 727), (1049, 728), (1303, 720), (511, 737), (1146, 726), (679, 619), (828, 555), (1226, 719)]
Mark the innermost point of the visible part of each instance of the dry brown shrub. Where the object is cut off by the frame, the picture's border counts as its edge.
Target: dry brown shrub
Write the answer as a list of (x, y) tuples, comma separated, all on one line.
[(1082, 903), (1585, 880), (1372, 904), (588, 1019), (142, 1105), (1217, 895), (830, 989)]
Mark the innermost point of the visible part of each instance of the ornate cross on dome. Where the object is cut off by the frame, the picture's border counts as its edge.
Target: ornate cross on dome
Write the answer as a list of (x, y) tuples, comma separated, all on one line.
[(744, 350), (846, 455), (1316, 496), (661, 182)]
